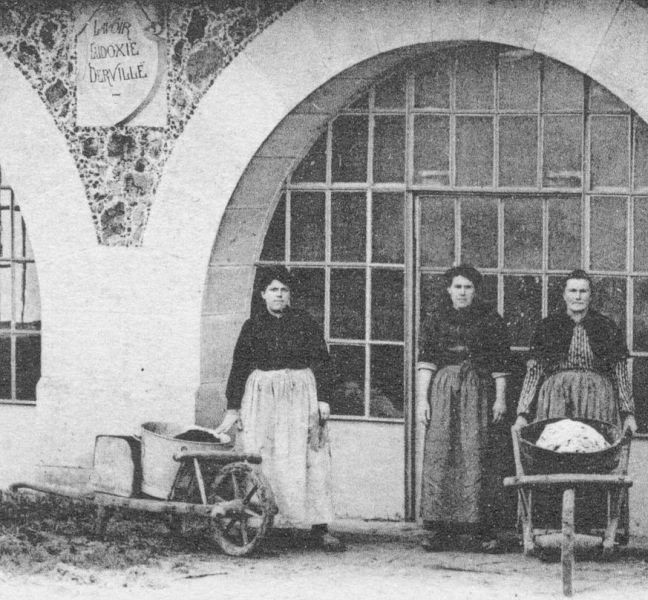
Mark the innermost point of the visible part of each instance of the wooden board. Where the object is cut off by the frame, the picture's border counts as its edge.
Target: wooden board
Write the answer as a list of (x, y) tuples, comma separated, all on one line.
[(117, 467)]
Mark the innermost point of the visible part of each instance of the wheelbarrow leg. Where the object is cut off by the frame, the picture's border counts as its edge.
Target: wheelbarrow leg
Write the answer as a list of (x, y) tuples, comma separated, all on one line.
[(101, 521), (623, 538), (525, 504), (613, 521), (567, 555)]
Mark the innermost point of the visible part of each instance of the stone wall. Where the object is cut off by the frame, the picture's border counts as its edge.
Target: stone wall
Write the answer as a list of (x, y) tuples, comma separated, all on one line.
[(120, 166)]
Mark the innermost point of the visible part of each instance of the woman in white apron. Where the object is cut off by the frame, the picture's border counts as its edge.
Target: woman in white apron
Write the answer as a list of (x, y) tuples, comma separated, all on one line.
[(276, 391)]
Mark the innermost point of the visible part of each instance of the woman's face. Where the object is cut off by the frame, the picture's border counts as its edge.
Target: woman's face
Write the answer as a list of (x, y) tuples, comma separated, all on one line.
[(276, 296), (577, 296), (462, 292)]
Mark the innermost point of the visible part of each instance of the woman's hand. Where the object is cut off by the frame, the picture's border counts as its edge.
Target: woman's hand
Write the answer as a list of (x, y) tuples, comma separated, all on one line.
[(423, 412), (324, 411), (630, 425), (499, 407), (520, 422), (499, 410), (231, 418)]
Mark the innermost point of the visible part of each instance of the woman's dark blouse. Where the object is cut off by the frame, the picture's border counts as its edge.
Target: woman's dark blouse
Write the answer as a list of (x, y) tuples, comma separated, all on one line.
[(476, 333), (269, 343)]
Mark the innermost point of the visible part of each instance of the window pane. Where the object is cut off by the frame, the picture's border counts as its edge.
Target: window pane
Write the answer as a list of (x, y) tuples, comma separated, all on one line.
[(362, 103), (474, 154), (5, 231), (479, 232), (608, 233), (518, 151), (640, 154), (640, 237), (432, 85), (488, 290), (5, 368), (562, 87), (26, 250), (348, 369), (609, 298), (348, 227), (562, 152), (436, 234), (523, 234), (313, 165), (640, 389), (431, 150), (349, 154), (386, 399), (391, 93), (601, 100), (522, 306), (274, 244), (610, 160), (5, 295), (555, 290), (387, 228), (28, 353), (564, 233), (19, 234), (640, 317), (308, 292), (475, 70), (518, 80), (28, 310), (389, 149), (348, 303), (386, 305), (432, 294), (307, 226)]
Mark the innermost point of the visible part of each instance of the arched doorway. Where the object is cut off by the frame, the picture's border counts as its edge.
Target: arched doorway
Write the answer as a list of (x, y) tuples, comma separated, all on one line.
[(480, 153), (290, 66)]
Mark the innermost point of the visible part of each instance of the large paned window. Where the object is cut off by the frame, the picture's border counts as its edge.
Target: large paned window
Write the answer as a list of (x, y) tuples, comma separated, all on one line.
[(20, 320), (484, 154)]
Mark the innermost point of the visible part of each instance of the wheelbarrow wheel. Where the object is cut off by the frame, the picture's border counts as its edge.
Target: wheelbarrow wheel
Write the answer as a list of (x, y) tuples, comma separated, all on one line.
[(244, 508)]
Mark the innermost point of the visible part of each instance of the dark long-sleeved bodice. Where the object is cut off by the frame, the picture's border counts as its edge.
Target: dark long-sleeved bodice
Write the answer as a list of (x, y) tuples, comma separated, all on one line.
[(268, 343), (476, 333)]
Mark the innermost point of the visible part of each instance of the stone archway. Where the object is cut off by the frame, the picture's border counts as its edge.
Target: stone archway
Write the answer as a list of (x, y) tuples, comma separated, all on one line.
[(266, 108)]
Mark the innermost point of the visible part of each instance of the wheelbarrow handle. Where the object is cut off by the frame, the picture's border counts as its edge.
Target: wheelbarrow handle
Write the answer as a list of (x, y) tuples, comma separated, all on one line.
[(218, 456)]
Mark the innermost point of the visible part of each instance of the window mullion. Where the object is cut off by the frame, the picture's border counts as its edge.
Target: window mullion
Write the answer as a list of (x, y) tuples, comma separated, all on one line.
[(500, 255), (13, 295), (629, 263), (545, 258)]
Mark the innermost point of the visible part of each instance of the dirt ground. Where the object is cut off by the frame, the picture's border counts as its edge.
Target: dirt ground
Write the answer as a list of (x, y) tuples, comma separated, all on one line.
[(47, 551)]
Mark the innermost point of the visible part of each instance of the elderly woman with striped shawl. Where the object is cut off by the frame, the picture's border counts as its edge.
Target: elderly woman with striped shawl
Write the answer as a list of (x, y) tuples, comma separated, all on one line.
[(577, 364), (577, 368)]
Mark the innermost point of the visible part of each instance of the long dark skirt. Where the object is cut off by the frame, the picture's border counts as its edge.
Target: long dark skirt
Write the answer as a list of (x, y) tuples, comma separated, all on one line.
[(581, 394), (456, 481), (575, 394)]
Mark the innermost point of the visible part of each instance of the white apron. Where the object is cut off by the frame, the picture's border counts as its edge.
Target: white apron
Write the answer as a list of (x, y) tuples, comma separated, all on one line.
[(280, 420)]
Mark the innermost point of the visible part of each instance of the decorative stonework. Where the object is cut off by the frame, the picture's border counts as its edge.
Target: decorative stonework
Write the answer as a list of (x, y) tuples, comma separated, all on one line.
[(120, 166)]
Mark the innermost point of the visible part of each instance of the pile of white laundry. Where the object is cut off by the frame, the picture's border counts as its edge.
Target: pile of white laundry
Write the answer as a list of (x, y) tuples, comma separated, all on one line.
[(571, 436)]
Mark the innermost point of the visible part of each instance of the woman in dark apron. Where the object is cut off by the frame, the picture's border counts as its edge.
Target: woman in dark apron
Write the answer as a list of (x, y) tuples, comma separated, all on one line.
[(460, 392)]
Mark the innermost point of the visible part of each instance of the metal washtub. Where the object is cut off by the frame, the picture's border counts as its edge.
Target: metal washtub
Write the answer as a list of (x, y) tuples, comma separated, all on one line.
[(159, 445)]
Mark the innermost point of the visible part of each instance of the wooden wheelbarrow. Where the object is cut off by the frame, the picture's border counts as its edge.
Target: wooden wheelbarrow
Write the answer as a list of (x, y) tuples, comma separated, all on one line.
[(538, 468), (224, 487)]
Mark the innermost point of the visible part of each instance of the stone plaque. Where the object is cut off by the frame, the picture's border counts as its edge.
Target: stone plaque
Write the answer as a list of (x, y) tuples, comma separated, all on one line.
[(121, 67)]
